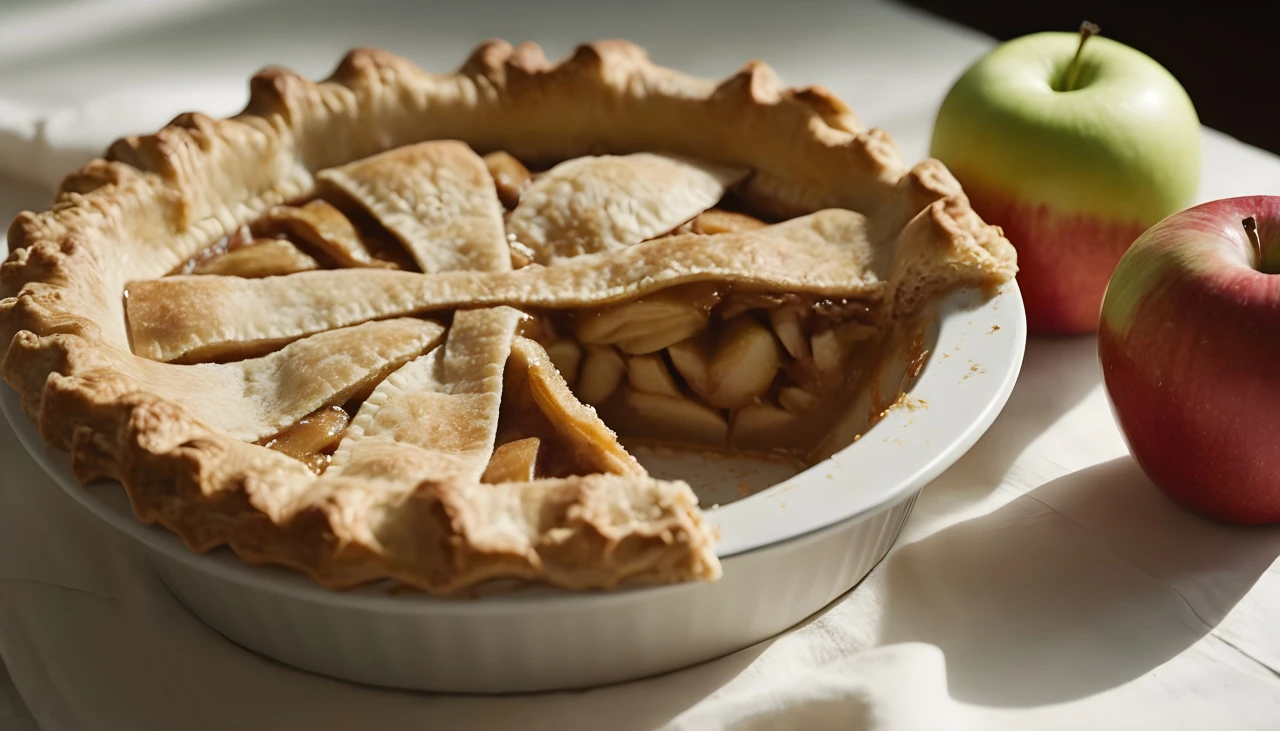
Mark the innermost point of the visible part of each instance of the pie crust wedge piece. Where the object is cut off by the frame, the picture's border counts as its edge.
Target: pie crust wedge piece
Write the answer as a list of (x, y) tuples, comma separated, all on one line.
[(398, 325)]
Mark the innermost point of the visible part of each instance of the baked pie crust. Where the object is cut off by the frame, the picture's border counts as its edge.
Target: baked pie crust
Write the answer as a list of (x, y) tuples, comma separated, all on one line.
[(478, 338)]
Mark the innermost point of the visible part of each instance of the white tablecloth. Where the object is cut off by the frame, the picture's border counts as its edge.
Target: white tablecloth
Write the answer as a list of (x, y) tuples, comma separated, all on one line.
[(1041, 583)]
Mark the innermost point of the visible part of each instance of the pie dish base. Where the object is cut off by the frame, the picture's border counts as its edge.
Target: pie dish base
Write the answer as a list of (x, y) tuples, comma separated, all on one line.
[(546, 645), (541, 639)]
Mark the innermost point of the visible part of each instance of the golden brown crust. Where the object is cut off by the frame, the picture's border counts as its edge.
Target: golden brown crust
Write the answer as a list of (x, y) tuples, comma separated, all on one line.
[(460, 229), (607, 203), (156, 200)]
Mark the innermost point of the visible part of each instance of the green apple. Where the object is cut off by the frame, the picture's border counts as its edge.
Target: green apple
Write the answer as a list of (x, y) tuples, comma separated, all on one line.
[(1074, 146)]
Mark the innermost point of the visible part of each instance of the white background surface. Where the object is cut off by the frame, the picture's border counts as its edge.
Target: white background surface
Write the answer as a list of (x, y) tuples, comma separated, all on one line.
[(1042, 582)]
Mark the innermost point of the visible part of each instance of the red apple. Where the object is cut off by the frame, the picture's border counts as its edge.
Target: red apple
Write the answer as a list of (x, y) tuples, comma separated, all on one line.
[(1189, 340)]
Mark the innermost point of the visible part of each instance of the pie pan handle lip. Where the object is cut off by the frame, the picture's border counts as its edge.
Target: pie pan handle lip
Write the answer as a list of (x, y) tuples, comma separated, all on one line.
[(967, 379)]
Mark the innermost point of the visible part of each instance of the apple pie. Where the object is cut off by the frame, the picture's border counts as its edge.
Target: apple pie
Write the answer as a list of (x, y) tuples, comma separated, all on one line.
[(392, 325)]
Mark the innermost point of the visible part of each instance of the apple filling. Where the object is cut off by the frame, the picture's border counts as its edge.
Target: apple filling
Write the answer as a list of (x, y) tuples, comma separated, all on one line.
[(314, 438), (711, 365), (312, 234), (708, 365)]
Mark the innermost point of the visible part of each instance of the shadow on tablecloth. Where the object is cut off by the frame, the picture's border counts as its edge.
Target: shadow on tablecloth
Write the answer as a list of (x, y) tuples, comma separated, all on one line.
[(1083, 584), (1057, 374)]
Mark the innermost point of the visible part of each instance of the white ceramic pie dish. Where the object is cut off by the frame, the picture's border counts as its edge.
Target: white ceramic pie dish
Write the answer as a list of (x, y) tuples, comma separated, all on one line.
[(787, 551)]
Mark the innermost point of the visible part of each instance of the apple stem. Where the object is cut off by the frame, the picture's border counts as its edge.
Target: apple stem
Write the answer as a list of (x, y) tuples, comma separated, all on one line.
[(1251, 230), (1087, 30)]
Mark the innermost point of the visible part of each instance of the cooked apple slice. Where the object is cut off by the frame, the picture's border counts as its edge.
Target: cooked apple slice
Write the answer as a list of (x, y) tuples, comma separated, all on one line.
[(521, 255), (566, 355), (745, 362), (827, 351), (593, 443), (716, 221), (692, 361), (513, 462), (649, 324), (266, 258), (678, 418), (602, 371), (797, 400), (850, 333), (758, 425), (323, 226), (644, 326), (649, 373), (510, 177), (315, 433), (786, 324)]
